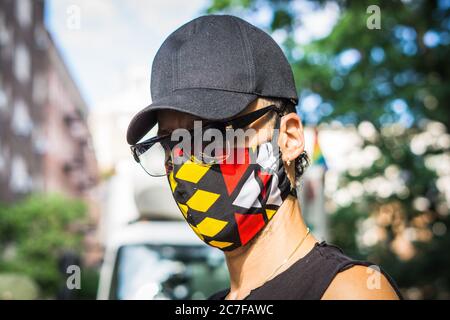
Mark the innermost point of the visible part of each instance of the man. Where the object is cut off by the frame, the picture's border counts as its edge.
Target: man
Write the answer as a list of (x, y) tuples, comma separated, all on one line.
[(228, 75)]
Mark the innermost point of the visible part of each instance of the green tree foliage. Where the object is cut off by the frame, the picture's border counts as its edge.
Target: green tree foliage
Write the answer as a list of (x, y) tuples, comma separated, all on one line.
[(34, 233), (395, 83)]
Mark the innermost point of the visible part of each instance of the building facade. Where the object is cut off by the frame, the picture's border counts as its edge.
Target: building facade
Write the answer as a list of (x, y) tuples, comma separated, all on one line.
[(45, 144)]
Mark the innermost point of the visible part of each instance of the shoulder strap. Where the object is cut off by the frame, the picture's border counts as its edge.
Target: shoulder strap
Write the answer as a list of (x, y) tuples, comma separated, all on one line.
[(342, 263)]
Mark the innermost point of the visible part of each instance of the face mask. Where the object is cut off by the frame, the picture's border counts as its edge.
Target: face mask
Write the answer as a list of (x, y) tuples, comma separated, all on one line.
[(228, 204)]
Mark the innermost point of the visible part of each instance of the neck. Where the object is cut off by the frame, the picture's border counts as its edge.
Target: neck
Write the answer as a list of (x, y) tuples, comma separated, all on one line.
[(250, 266)]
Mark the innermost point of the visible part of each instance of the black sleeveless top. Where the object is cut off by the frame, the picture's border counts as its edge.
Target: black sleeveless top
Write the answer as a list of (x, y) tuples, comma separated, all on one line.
[(308, 278)]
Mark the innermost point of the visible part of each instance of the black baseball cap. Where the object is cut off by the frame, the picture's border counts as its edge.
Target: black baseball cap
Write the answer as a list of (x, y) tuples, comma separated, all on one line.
[(213, 67)]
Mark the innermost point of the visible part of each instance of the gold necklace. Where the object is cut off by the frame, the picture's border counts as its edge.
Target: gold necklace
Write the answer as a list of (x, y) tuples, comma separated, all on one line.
[(287, 259)]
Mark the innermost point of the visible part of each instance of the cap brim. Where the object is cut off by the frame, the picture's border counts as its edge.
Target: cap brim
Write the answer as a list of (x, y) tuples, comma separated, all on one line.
[(208, 104)]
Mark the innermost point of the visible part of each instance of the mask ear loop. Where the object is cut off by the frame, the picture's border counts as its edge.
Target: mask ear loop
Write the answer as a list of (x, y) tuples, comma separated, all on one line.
[(276, 148)]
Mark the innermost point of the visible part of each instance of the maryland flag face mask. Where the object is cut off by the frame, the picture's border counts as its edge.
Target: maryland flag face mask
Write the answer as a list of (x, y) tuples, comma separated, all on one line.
[(228, 204)]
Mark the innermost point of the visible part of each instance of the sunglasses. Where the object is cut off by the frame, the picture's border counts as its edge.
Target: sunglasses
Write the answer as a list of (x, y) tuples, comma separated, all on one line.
[(155, 154)]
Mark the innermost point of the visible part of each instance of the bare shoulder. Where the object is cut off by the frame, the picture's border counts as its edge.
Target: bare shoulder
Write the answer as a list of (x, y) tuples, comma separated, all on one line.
[(360, 283)]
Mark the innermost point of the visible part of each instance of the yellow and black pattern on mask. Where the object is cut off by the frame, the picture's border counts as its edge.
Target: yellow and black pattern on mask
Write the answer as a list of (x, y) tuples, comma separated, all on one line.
[(228, 204)]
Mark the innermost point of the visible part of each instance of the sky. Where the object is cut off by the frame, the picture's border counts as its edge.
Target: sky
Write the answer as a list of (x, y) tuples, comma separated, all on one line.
[(110, 51)]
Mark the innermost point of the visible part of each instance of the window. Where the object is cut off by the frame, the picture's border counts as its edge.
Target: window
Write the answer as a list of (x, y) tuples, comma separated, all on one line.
[(39, 88), (39, 141), (24, 12), (176, 272), (21, 122), (22, 63), (40, 37), (6, 38), (4, 34), (3, 158), (20, 181), (4, 98)]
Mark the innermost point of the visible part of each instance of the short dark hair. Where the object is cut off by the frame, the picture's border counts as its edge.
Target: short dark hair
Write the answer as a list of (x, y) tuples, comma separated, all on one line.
[(302, 161)]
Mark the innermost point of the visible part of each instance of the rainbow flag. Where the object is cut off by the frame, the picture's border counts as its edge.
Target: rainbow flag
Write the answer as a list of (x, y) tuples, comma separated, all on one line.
[(317, 156)]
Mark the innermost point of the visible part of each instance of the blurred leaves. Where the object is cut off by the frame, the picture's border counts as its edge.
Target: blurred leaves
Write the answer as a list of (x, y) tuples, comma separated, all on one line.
[(395, 84), (35, 232), (281, 19), (17, 287)]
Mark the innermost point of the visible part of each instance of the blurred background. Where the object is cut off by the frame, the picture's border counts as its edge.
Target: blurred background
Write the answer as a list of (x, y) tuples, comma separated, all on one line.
[(374, 86)]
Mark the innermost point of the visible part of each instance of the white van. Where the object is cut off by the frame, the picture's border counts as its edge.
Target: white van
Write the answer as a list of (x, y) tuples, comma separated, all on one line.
[(160, 260)]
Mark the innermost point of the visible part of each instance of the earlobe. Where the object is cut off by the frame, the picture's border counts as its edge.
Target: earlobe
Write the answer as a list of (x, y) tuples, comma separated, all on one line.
[(291, 141)]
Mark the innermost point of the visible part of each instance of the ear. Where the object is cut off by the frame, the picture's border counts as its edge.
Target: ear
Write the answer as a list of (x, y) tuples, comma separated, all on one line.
[(291, 139)]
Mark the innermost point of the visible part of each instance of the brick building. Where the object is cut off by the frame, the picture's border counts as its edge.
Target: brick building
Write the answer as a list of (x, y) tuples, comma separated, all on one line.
[(45, 145)]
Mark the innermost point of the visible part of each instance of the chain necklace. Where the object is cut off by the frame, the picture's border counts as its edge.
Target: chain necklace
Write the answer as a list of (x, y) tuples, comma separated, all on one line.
[(287, 259)]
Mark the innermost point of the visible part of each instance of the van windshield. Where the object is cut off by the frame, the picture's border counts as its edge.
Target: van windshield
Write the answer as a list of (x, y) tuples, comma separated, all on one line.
[(168, 272)]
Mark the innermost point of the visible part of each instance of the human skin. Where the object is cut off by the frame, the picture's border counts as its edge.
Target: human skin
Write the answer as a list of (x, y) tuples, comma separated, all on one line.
[(251, 265)]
